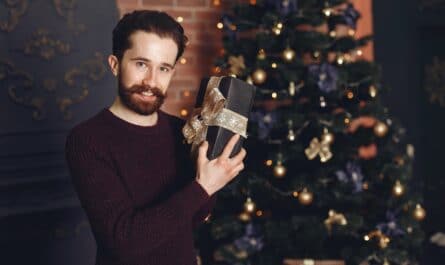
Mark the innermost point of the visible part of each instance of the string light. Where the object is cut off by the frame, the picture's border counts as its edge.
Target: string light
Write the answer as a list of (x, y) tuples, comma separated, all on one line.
[(186, 93), (274, 65), (184, 113), (183, 60), (274, 95), (220, 25), (180, 19)]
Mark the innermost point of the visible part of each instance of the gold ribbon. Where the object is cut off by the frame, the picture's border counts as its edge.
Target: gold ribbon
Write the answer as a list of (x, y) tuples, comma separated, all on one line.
[(213, 113)]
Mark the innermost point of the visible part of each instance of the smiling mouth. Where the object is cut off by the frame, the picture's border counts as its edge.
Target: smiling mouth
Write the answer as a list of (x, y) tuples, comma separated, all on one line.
[(147, 96)]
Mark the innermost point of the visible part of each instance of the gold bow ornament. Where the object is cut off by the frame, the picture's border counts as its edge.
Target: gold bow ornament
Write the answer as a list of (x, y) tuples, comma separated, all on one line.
[(323, 149), (335, 218), (213, 113)]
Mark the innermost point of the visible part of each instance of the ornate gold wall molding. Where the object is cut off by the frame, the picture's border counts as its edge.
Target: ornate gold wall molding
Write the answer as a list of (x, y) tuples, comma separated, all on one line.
[(22, 88), (15, 9), (435, 81), (45, 46), (80, 78), (65, 9)]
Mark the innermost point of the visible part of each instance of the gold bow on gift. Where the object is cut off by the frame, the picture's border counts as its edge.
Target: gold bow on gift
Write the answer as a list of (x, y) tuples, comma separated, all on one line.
[(319, 148), (213, 113)]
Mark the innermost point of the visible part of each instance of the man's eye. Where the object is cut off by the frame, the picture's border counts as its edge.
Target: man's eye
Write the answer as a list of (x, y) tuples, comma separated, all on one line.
[(165, 69), (140, 64)]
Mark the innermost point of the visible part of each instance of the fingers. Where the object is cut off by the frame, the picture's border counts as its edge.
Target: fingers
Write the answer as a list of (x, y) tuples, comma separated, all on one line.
[(229, 147), (202, 153), (237, 169), (239, 157)]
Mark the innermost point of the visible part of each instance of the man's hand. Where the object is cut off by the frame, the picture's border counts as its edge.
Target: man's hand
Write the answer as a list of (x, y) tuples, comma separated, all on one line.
[(214, 175)]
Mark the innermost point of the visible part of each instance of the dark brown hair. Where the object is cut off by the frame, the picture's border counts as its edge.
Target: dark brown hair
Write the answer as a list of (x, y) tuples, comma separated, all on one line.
[(150, 21)]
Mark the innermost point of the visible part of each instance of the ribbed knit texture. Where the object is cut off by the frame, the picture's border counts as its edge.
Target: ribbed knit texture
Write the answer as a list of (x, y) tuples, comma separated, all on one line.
[(138, 190)]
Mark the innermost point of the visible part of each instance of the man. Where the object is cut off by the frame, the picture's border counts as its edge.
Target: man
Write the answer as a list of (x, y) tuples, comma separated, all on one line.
[(128, 163)]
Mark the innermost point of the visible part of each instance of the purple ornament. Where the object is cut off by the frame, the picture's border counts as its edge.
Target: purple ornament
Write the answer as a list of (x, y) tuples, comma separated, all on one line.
[(265, 121), (251, 241), (325, 75), (352, 175), (390, 227), (228, 27), (284, 7), (350, 16)]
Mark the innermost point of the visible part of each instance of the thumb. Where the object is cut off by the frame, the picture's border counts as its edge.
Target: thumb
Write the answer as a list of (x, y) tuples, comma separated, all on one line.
[(202, 152)]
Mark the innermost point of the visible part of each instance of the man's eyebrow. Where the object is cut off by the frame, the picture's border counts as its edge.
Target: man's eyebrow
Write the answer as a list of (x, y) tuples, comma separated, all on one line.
[(148, 61)]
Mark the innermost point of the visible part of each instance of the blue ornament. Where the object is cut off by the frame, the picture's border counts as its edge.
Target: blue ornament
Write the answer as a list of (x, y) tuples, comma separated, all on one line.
[(284, 7), (390, 227), (352, 175), (251, 241), (350, 16), (325, 75), (229, 27), (265, 121)]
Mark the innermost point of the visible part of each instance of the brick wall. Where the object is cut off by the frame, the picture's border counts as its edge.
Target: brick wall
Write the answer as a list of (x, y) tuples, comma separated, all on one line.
[(199, 19)]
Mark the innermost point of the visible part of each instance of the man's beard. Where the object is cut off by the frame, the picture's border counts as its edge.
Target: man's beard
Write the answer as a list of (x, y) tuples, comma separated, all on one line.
[(128, 98)]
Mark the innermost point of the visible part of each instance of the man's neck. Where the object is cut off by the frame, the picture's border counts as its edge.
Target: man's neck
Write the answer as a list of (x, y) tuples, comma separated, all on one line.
[(128, 115)]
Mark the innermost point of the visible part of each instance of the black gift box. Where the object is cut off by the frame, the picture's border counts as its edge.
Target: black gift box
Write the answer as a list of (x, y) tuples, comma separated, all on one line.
[(239, 98)]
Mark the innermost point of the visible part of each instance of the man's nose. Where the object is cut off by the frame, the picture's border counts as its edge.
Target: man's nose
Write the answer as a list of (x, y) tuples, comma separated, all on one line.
[(150, 78)]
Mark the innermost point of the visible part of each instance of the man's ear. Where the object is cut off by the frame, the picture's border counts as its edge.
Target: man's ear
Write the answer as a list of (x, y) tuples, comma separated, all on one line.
[(113, 62)]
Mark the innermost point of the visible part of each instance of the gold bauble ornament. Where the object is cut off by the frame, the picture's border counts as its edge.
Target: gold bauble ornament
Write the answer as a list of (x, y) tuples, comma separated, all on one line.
[(410, 150), (419, 213), (380, 129), (398, 189), (279, 170), (292, 88), (249, 205), (305, 197), (288, 54), (291, 135), (245, 217), (373, 91), (259, 76)]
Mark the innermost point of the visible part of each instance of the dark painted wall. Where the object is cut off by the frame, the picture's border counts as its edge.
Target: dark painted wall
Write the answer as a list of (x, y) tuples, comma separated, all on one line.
[(53, 74), (407, 36)]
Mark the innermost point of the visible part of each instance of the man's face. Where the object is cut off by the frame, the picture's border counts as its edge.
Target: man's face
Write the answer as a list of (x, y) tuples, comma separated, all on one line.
[(145, 71)]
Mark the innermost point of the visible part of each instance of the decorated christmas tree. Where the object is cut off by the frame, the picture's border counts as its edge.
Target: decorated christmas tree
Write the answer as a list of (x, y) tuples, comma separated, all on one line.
[(328, 173)]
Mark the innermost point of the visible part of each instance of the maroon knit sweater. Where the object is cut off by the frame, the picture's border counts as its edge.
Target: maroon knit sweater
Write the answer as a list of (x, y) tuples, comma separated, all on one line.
[(138, 190)]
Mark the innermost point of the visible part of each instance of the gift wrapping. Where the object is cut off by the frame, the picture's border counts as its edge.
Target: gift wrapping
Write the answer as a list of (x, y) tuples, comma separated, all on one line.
[(221, 110), (312, 262)]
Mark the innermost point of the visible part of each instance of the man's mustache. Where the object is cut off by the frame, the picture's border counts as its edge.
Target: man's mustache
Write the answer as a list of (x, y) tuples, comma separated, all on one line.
[(141, 88)]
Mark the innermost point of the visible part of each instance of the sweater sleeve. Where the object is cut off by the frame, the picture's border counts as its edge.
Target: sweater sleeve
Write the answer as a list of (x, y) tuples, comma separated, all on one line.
[(204, 211), (114, 219)]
